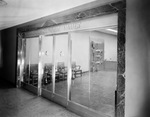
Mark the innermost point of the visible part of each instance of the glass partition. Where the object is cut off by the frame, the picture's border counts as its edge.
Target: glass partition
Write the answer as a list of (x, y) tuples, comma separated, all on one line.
[(31, 56), (61, 63), (47, 62), (83, 61), (93, 67), (94, 70), (80, 68), (103, 72)]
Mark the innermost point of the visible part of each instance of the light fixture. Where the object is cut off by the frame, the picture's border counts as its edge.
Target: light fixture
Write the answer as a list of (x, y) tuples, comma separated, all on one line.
[(112, 30), (3, 3)]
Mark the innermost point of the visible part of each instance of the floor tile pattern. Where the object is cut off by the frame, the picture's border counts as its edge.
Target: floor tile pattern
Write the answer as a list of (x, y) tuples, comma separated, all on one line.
[(21, 103)]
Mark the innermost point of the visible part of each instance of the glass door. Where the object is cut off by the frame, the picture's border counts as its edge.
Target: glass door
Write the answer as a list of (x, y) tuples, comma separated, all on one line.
[(94, 72), (61, 64), (30, 62), (54, 59), (47, 63), (103, 72), (80, 68)]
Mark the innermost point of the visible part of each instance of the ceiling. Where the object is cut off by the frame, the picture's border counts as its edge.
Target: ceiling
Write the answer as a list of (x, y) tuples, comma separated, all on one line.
[(22, 11)]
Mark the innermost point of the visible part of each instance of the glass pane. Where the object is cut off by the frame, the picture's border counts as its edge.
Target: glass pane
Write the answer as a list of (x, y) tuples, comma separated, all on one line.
[(31, 53), (47, 53), (80, 68), (61, 62), (103, 72)]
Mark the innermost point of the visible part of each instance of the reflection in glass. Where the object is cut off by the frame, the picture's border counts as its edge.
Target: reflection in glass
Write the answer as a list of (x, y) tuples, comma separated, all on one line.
[(103, 72), (80, 68), (93, 65), (61, 62), (94, 70), (31, 55), (47, 53)]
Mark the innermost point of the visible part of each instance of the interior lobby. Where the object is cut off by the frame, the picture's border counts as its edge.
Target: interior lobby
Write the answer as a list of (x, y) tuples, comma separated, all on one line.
[(92, 87), (90, 60)]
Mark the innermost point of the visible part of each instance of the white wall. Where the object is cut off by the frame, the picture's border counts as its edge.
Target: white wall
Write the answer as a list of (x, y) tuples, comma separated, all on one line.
[(61, 48), (80, 49), (32, 51), (47, 46)]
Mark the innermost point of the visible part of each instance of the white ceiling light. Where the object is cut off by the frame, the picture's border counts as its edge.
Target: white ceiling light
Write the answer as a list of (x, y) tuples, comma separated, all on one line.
[(3, 3), (112, 30)]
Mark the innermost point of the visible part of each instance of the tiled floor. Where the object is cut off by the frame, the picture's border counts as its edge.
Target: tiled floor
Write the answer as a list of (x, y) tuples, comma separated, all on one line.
[(96, 92), (21, 103)]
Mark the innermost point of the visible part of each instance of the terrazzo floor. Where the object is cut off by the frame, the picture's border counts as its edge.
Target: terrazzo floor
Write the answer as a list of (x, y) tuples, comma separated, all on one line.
[(21, 103), (96, 92)]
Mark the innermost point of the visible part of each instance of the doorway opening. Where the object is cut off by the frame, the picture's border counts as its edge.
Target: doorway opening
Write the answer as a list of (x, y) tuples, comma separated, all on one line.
[(74, 64)]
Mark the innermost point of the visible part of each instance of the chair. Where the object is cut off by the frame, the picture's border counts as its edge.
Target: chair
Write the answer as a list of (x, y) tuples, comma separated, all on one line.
[(26, 74), (47, 76), (34, 74), (61, 71), (76, 70)]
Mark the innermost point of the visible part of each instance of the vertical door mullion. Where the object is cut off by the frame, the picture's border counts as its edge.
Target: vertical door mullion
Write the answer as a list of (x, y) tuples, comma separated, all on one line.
[(20, 65), (69, 69), (22, 60), (40, 68), (19, 61), (54, 66), (29, 64), (90, 67)]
